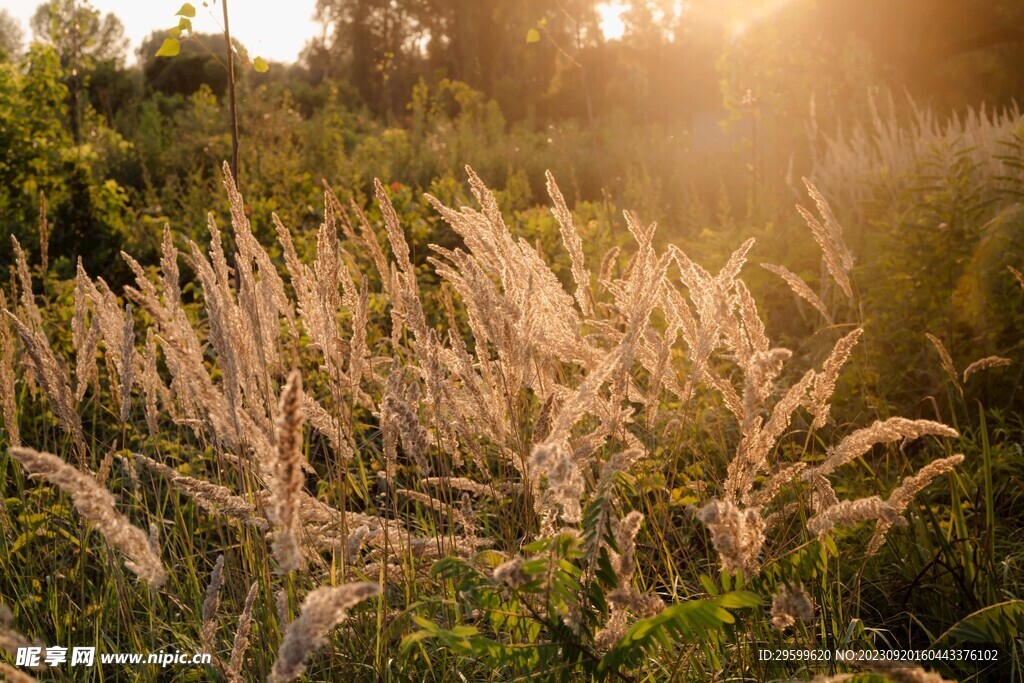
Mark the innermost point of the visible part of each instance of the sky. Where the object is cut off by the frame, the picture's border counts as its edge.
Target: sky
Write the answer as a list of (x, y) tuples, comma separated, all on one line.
[(274, 30)]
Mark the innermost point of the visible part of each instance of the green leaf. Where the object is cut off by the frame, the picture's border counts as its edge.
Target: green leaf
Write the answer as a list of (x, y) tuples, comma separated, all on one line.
[(184, 24), (260, 65), (187, 10), (1000, 623), (533, 36), (170, 48)]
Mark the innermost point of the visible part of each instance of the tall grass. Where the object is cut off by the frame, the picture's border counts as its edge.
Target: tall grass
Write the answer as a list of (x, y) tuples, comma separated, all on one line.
[(587, 476)]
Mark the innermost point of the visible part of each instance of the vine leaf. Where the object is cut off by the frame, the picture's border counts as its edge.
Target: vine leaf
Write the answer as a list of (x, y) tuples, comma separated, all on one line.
[(169, 48)]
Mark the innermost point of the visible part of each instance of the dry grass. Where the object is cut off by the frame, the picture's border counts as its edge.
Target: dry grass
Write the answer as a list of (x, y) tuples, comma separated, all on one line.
[(532, 411)]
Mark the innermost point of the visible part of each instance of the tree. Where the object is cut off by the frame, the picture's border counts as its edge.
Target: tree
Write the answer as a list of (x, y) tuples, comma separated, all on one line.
[(194, 66), (10, 37), (82, 39)]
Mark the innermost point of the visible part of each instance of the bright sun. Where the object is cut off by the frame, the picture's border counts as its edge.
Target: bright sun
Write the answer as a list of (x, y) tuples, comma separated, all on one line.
[(611, 19)]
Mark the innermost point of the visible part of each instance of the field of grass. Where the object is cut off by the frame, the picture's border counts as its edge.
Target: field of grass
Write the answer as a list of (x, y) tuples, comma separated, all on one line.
[(350, 455)]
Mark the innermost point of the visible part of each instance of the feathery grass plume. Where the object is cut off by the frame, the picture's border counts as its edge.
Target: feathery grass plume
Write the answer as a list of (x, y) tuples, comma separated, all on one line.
[(404, 287), (883, 431), (801, 289), (324, 423), (737, 534), (152, 386), (110, 318), (288, 476), (211, 497), (850, 512), (946, 359), (219, 303), (85, 337), (96, 504), (44, 233), (241, 644), (322, 610), (103, 473), (127, 369), (573, 244), (464, 484), (779, 480), (625, 597), (169, 270), (1017, 274), (28, 299), (758, 440), (790, 605), (825, 380), (565, 485), (208, 634), (436, 505), (985, 364), (903, 672), (398, 411), (12, 675), (52, 376), (8, 409), (760, 370), (316, 291), (911, 486), (281, 608), (510, 572), (829, 237)]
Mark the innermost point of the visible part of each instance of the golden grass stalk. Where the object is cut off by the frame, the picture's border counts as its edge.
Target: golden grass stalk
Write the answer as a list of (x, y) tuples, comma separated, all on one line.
[(127, 369), (985, 364), (211, 497), (860, 442), (28, 300), (829, 236), (801, 289), (44, 233), (790, 605), (288, 476), (96, 504), (737, 534), (945, 359), (849, 512), (241, 643), (322, 610), (208, 634), (573, 244), (52, 376), (900, 498), (8, 409), (12, 675), (825, 380), (1017, 274)]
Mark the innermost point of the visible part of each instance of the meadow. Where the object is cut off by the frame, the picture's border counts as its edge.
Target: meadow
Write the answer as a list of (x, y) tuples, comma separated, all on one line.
[(502, 399)]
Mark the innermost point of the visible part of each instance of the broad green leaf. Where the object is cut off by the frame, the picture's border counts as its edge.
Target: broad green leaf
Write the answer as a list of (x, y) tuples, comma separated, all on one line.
[(187, 10), (999, 623), (260, 65), (170, 48), (533, 36)]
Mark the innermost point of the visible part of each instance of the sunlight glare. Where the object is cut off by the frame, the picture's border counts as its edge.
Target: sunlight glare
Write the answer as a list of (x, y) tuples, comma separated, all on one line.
[(611, 23), (759, 12)]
